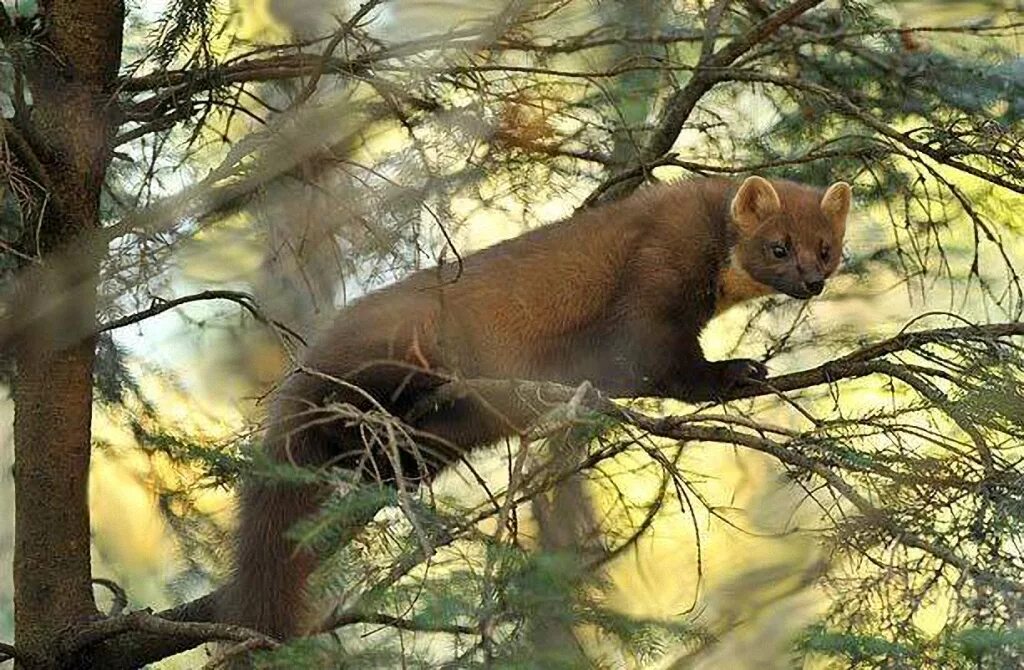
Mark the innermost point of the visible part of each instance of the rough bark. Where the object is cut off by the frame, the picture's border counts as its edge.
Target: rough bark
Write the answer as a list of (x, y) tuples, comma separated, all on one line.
[(71, 70), (53, 410)]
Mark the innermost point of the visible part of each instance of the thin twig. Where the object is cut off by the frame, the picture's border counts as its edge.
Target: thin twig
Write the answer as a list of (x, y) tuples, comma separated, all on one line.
[(120, 602), (160, 305)]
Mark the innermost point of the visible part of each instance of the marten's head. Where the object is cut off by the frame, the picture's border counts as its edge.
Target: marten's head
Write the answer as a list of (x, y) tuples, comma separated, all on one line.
[(790, 236)]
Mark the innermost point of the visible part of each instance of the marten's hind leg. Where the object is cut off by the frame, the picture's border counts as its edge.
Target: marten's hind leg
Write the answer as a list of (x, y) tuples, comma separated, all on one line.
[(452, 424)]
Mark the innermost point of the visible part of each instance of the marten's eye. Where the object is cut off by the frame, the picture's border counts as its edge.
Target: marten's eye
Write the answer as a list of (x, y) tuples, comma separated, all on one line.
[(825, 250), (779, 250)]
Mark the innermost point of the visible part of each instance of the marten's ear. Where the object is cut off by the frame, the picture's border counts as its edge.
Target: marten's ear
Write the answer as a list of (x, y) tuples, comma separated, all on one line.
[(835, 205), (755, 201)]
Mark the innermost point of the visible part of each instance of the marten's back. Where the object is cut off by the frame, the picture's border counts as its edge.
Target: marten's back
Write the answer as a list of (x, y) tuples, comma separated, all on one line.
[(510, 305)]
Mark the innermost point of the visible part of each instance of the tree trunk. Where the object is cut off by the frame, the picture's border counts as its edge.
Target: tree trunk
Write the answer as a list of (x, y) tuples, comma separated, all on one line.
[(52, 574), (72, 75)]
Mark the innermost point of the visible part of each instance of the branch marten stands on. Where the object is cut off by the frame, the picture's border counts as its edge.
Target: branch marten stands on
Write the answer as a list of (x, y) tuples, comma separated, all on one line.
[(616, 295)]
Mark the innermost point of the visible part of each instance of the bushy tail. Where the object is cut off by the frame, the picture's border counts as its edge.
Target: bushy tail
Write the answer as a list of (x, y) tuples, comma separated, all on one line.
[(267, 591)]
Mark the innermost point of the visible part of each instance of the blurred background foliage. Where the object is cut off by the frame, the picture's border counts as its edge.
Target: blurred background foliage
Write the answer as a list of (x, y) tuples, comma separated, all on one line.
[(439, 127)]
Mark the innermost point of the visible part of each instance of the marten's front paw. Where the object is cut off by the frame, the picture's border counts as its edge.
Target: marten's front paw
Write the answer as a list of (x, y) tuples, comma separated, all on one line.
[(741, 372)]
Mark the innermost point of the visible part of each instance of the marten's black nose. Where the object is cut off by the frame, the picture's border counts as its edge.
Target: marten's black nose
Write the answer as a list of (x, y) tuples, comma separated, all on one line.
[(815, 287)]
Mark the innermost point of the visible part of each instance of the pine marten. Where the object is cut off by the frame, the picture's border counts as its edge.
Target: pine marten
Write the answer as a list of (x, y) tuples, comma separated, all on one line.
[(616, 295)]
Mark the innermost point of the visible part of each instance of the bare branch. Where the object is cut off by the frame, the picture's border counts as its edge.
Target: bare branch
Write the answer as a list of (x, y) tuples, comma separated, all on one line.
[(852, 365), (332, 45), (159, 306), (133, 647), (272, 68), (120, 602), (682, 103), (143, 621), (7, 652), (26, 154)]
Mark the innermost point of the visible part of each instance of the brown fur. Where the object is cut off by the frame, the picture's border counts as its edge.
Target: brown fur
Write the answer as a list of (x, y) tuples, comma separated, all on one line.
[(736, 286), (617, 295)]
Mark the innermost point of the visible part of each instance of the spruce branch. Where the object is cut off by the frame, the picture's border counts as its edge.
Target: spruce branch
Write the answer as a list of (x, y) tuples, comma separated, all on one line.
[(682, 103), (350, 617), (779, 443), (844, 105), (161, 305)]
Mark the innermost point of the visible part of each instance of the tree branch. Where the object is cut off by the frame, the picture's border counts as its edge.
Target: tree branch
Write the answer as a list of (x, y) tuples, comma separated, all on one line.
[(664, 428), (120, 597), (682, 103), (847, 107), (860, 363), (144, 621), (134, 647), (271, 68), (349, 618), (159, 306), (7, 652), (855, 364), (26, 154), (344, 31)]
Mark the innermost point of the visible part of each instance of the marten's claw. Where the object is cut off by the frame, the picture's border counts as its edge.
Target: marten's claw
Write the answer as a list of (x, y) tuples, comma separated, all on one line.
[(741, 371), (758, 370)]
